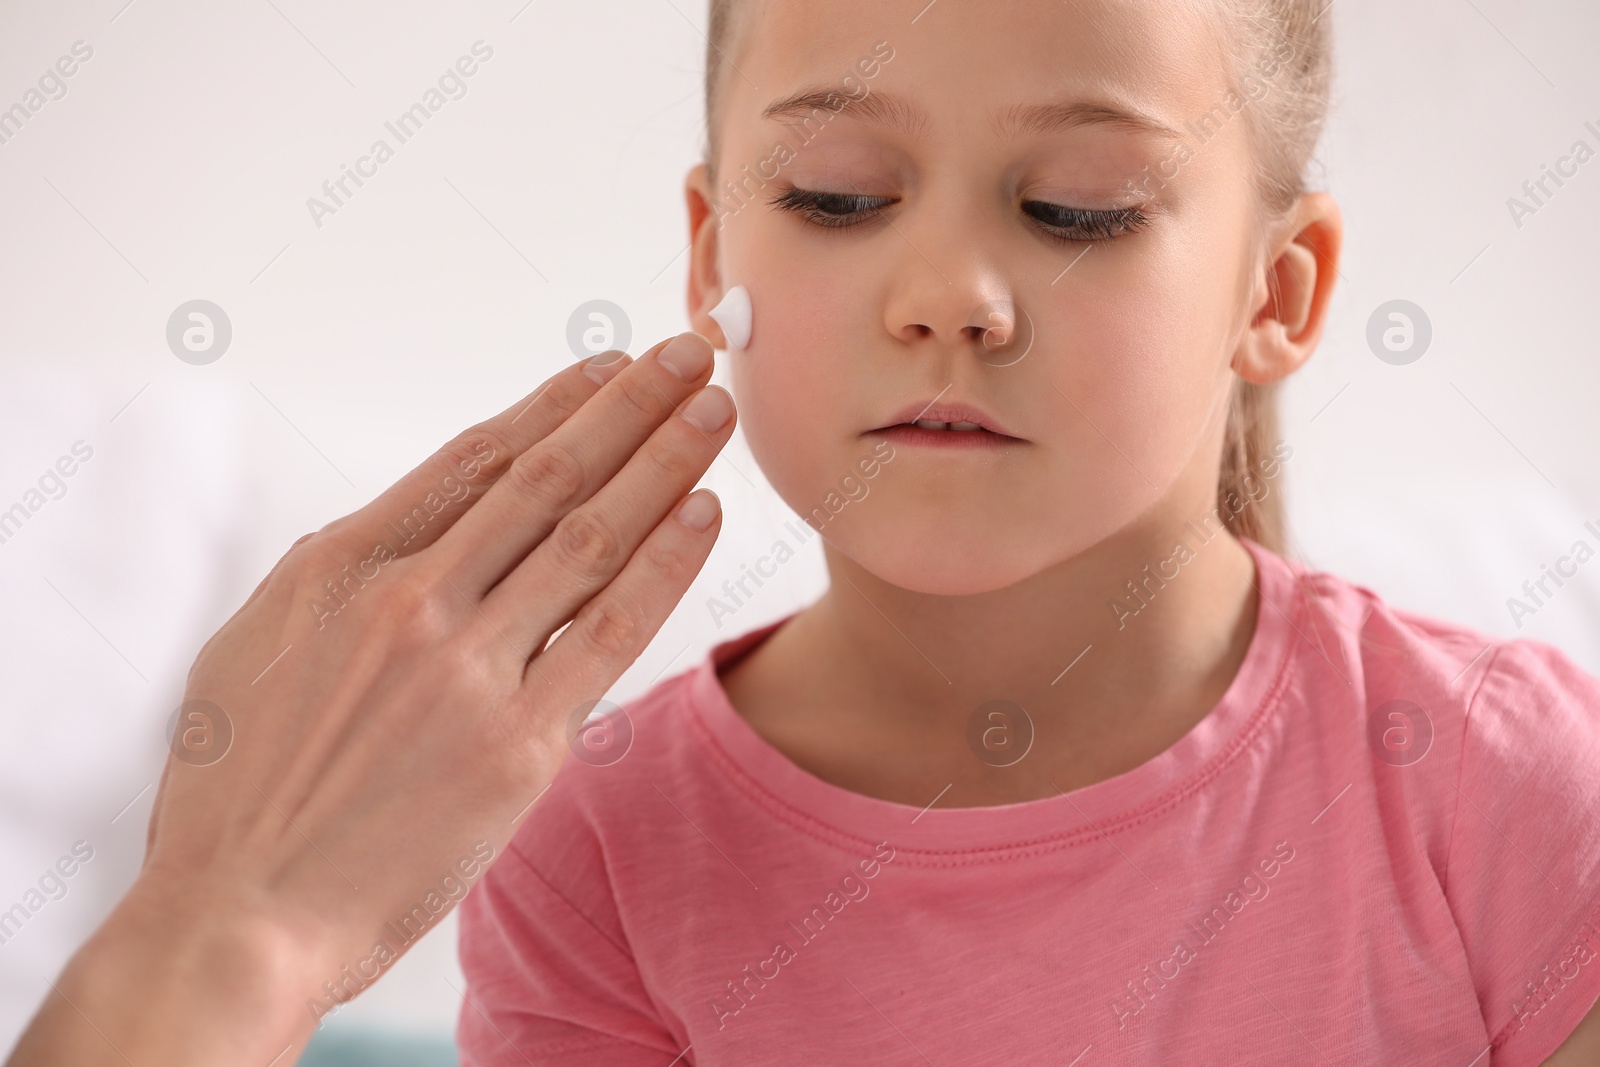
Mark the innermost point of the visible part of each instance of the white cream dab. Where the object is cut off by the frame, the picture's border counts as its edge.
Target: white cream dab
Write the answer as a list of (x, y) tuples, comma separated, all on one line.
[(732, 313)]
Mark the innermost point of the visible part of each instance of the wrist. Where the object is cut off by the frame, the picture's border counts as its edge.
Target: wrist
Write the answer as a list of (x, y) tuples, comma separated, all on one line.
[(186, 976)]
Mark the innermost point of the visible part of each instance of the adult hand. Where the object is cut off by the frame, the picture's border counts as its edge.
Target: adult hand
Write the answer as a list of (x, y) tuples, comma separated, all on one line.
[(374, 722)]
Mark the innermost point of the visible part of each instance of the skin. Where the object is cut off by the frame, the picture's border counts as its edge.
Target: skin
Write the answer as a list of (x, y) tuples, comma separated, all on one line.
[(965, 577), (235, 920), (1582, 1047)]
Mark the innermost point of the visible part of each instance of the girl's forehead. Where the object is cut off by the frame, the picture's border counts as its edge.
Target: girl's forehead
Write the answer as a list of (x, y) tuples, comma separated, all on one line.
[(953, 57)]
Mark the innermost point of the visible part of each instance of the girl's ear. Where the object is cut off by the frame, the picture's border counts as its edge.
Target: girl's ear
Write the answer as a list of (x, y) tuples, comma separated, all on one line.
[(1293, 292), (705, 280)]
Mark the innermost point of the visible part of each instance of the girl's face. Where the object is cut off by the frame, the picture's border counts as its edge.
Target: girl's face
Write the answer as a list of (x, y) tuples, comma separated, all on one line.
[(1015, 155)]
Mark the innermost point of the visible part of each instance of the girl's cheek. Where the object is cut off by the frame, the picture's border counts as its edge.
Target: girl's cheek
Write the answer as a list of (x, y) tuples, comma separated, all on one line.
[(1139, 364), (787, 384), (809, 316)]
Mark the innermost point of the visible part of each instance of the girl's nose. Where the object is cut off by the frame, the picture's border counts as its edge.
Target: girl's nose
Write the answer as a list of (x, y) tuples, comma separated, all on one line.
[(998, 321), (1007, 332), (978, 314), (946, 286)]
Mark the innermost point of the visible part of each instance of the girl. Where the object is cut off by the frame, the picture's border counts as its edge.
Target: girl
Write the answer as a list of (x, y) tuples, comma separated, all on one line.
[(1070, 764)]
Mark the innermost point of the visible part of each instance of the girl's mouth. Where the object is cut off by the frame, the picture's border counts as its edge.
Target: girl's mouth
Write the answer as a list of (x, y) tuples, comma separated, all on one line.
[(931, 422), (944, 435)]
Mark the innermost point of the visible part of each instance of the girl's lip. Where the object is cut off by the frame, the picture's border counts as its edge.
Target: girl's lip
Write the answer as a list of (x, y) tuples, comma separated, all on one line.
[(946, 412), (916, 435)]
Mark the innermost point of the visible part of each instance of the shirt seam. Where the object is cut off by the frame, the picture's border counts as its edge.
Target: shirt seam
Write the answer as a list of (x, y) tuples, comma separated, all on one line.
[(579, 912), (1461, 758), (1505, 1035)]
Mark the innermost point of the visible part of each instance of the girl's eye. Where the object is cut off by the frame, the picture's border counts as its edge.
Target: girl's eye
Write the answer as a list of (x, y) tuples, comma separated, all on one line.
[(831, 210), (1061, 223), (1081, 224)]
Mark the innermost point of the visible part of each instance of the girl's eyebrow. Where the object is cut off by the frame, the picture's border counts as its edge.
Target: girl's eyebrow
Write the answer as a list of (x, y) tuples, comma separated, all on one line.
[(884, 108)]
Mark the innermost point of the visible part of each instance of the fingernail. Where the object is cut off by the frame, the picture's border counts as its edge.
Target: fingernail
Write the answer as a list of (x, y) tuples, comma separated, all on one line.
[(605, 366), (709, 409), (698, 510), (686, 355)]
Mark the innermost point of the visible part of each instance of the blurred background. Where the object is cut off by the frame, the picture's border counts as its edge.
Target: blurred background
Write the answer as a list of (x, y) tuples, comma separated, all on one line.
[(335, 349)]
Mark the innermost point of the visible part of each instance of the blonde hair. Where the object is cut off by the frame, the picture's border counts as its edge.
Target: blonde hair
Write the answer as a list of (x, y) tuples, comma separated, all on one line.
[(1283, 126)]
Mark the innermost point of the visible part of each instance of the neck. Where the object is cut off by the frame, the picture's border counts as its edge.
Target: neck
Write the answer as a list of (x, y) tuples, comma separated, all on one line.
[(1114, 655), (1136, 605)]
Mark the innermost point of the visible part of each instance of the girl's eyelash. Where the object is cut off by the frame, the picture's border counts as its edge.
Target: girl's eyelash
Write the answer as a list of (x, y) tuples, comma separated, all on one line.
[(837, 211), (829, 210), (1097, 225)]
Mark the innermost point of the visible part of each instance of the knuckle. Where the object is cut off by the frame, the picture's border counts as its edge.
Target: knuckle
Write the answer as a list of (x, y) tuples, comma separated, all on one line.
[(463, 655), (550, 475), (666, 560), (641, 396), (315, 557), (611, 628), (671, 464), (418, 608), (334, 529), (407, 602), (562, 400), (476, 452), (305, 546), (585, 544), (428, 621)]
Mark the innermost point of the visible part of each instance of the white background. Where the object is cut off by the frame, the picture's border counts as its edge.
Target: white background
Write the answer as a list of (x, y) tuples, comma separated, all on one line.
[(178, 166)]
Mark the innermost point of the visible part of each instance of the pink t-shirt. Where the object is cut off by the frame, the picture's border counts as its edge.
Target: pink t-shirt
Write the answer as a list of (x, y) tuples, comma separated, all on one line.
[(1382, 846)]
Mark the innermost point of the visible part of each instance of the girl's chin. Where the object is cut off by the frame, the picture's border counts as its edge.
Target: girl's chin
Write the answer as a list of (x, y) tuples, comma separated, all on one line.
[(936, 569)]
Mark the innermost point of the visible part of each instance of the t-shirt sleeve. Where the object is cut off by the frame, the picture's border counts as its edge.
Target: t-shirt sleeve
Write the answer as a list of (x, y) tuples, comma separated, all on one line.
[(547, 985), (1523, 876)]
